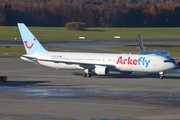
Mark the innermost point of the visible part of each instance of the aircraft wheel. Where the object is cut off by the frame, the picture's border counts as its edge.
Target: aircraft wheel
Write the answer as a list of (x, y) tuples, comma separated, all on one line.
[(84, 75), (89, 75), (161, 77)]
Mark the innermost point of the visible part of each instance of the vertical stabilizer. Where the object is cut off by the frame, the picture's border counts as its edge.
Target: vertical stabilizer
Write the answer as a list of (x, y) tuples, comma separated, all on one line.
[(30, 42), (141, 44)]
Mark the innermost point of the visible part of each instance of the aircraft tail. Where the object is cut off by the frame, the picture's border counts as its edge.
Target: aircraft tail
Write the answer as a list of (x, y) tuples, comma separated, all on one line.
[(141, 44), (30, 42)]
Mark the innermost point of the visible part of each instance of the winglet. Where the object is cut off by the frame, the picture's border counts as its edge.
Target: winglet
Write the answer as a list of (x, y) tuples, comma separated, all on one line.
[(30, 42), (141, 44)]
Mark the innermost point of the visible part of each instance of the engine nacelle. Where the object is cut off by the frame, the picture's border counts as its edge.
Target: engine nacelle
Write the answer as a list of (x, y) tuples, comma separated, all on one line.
[(101, 70)]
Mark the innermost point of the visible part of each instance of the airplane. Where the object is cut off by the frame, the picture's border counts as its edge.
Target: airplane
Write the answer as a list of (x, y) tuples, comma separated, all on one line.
[(156, 52), (98, 63)]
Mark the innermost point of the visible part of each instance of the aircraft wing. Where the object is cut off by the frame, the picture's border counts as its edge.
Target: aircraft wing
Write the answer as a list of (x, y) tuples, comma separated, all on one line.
[(85, 65), (82, 64)]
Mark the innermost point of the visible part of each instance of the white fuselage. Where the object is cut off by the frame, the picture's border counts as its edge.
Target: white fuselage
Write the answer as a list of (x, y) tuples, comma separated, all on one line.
[(120, 62)]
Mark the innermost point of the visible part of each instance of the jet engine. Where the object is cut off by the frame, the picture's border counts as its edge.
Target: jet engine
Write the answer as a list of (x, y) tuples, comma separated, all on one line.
[(101, 70)]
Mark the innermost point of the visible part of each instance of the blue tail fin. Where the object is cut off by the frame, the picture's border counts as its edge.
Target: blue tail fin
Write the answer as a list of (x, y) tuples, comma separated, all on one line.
[(30, 42)]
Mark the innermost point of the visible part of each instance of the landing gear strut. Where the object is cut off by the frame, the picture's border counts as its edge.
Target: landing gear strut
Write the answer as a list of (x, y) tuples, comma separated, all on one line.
[(161, 75), (87, 73)]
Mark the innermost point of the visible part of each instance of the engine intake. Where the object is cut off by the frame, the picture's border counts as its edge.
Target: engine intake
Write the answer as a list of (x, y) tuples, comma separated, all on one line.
[(101, 70)]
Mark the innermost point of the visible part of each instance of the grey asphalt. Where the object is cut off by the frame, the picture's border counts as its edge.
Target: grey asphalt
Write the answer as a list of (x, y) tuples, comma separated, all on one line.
[(35, 92)]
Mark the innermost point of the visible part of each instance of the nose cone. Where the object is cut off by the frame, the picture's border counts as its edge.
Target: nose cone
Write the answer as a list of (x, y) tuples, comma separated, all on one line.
[(171, 65), (176, 62)]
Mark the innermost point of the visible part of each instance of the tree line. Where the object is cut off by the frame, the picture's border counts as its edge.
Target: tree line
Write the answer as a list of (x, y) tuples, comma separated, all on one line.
[(95, 13)]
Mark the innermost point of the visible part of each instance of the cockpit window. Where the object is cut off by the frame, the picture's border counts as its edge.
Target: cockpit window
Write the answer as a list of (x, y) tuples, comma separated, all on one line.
[(167, 61), (170, 60)]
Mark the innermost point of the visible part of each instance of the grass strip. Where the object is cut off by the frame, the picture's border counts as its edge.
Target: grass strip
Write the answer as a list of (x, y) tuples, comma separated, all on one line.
[(61, 33)]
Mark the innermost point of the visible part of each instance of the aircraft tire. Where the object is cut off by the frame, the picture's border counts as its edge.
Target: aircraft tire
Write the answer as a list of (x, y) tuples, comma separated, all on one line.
[(89, 75), (84, 75)]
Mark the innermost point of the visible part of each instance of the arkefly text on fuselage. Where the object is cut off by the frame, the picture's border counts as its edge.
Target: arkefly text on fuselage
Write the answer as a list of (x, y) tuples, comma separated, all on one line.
[(129, 61)]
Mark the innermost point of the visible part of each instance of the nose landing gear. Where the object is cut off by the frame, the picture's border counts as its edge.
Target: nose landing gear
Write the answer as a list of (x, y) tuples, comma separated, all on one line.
[(161, 75)]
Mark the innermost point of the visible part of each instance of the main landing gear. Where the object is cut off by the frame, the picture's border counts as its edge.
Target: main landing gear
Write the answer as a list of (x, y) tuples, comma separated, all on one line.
[(87, 73), (161, 75)]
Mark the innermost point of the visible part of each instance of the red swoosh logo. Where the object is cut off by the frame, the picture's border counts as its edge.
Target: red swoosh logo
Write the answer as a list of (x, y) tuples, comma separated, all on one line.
[(28, 46)]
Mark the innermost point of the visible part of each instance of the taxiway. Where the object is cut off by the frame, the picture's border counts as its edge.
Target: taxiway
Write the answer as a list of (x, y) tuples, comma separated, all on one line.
[(36, 92)]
